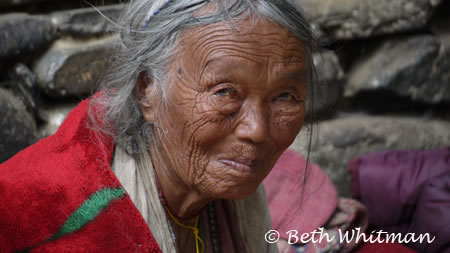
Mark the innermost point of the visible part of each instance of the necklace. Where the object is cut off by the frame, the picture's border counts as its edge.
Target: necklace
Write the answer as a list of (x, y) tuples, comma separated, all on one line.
[(175, 218), (198, 240), (212, 217), (164, 202), (213, 228)]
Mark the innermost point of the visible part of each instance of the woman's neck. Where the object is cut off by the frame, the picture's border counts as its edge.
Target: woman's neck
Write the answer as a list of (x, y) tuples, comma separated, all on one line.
[(182, 199)]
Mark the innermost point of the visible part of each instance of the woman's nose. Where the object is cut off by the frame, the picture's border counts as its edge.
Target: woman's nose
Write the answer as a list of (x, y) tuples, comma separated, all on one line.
[(253, 125)]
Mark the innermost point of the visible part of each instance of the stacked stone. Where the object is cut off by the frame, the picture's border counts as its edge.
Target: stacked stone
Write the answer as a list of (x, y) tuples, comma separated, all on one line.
[(383, 74), (51, 56), (396, 89)]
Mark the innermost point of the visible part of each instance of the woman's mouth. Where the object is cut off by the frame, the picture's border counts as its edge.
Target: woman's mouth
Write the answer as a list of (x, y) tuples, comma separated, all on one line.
[(242, 164)]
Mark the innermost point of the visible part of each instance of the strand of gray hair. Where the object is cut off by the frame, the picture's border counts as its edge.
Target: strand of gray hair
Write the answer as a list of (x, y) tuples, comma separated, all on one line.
[(116, 112)]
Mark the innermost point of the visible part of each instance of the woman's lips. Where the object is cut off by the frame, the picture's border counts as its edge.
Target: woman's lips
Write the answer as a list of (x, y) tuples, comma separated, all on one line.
[(242, 165)]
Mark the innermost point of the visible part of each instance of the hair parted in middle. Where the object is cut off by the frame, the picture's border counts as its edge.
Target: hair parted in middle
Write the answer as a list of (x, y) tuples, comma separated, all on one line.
[(148, 37)]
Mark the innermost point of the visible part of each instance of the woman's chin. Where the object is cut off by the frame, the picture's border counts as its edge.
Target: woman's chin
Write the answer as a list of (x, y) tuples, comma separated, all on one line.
[(237, 192)]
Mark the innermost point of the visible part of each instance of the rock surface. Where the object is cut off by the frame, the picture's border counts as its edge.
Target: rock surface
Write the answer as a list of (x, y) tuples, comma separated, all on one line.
[(350, 19), (87, 21), (9, 3), (17, 126), (55, 114), (24, 86), (402, 65), (437, 88), (72, 67), (336, 141), (330, 80), (22, 33)]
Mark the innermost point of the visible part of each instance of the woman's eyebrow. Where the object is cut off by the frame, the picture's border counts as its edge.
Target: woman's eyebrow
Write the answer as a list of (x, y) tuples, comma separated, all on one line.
[(230, 63), (298, 75)]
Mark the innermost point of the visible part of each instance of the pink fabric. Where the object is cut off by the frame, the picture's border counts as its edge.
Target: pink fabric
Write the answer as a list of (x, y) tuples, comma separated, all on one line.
[(295, 202), (349, 215)]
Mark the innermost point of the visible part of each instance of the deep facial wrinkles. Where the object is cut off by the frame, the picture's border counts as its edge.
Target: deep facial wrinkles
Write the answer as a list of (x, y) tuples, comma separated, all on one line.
[(232, 104), (213, 37)]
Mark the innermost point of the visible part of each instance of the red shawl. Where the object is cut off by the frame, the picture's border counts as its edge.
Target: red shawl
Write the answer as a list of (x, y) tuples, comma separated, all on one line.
[(60, 195)]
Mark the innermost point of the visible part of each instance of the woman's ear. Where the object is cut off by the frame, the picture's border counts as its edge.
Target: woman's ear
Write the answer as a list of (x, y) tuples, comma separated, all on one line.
[(143, 90)]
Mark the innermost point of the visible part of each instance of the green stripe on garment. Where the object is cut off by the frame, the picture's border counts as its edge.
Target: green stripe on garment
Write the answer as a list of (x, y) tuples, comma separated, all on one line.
[(90, 208)]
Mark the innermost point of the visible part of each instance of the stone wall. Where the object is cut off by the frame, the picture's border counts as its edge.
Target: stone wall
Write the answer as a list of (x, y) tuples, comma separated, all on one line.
[(51, 56), (384, 72)]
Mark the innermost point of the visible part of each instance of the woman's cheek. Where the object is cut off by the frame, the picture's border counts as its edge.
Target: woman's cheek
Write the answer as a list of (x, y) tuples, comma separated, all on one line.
[(225, 106), (286, 127), (213, 106)]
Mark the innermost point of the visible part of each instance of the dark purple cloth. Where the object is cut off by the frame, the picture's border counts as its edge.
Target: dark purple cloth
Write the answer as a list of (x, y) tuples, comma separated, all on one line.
[(432, 214), (406, 192)]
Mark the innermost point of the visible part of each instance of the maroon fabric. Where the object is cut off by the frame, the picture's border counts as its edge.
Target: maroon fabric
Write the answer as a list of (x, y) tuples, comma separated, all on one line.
[(408, 192), (383, 248), (296, 203), (353, 168), (42, 185), (432, 214), (395, 179), (230, 236)]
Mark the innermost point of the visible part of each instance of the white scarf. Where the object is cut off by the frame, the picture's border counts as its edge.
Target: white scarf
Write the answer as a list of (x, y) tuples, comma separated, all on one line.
[(138, 179)]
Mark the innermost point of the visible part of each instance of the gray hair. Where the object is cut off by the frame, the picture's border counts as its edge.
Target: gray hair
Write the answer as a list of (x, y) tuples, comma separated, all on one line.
[(147, 42)]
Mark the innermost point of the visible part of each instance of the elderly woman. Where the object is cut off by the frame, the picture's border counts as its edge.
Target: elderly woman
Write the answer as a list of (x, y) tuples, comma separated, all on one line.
[(202, 99)]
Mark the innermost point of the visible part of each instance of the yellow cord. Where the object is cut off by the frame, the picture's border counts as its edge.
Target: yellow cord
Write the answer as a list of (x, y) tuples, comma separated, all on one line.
[(195, 229)]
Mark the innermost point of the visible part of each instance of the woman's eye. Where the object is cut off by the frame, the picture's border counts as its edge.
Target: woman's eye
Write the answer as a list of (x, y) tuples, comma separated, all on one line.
[(226, 92), (226, 100), (285, 96)]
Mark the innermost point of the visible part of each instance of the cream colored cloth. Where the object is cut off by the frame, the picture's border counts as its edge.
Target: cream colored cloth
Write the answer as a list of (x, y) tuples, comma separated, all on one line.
[(137, 177)]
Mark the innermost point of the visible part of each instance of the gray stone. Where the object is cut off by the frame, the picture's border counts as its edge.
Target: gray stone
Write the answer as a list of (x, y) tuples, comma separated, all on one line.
[(330, 81), (437, 87), (22, 33), (9, 3), (17, 126), (72, 67), (55, 114), (87, 21), (24, 86), (402, 65), (336, 141), (350, 19)]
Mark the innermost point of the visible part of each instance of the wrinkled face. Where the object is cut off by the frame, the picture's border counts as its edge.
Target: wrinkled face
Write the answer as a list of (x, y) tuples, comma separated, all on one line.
[(237, 101)]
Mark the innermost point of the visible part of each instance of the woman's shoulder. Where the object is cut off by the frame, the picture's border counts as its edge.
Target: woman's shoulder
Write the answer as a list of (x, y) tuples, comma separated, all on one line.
[(56, 185), (72, 158)]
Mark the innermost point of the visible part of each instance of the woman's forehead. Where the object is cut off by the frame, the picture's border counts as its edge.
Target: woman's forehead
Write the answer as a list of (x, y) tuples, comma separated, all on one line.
[(251, 39), (239, 30)]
